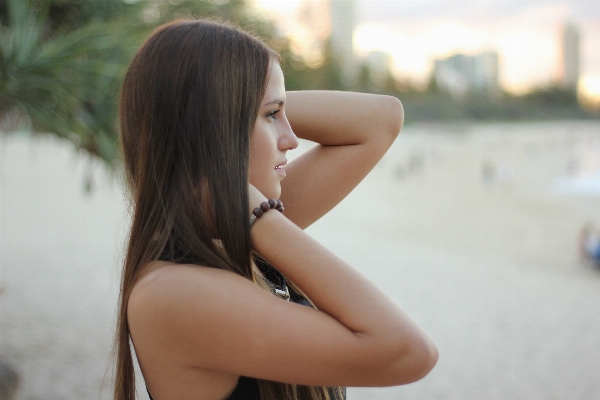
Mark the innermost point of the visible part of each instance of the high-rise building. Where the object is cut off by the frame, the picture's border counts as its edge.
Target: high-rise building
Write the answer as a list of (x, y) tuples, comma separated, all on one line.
[(570, 56), (460, 73), (343, 22), (485, 72)]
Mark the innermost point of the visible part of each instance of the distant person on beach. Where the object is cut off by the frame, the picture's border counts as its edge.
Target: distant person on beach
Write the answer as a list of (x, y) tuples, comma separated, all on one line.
[(589, 245), (488, 172), (223, 296)]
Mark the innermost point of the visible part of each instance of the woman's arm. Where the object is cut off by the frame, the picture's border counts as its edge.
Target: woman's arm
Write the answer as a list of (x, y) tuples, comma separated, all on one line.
[(210, 319), (354, 130), (370, 331)]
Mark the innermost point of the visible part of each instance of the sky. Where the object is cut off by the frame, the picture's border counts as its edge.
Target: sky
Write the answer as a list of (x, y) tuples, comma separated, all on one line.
[(525, 33)]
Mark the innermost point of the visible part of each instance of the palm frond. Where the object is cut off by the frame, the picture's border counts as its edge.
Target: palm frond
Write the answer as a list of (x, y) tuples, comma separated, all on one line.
[(67, 83)]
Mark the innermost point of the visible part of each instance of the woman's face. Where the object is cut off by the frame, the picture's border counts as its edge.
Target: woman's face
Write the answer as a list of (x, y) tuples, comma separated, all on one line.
[(271, 138)]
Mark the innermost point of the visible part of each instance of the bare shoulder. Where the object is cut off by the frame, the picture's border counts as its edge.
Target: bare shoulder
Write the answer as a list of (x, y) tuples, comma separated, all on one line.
[(163, 274), (175, 312), (169, 287), (184, 307), (171, 312)]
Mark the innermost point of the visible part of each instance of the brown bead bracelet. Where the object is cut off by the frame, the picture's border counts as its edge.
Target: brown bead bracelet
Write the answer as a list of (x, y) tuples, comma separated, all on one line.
[(264, 207)]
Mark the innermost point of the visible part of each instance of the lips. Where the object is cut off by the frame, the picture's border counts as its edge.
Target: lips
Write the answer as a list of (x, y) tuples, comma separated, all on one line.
[(281, 164), (279, 168)]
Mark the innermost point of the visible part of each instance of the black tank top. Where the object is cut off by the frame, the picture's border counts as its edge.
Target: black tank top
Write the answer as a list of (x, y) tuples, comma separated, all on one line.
[(247, 388)]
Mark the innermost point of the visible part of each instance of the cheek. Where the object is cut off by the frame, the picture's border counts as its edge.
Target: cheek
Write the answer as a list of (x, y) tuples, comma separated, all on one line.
[(258, 156), (262, 148), (255, 155)]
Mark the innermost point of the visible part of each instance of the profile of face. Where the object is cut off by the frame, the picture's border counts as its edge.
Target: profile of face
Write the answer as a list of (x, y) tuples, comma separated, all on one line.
[(271, 138)]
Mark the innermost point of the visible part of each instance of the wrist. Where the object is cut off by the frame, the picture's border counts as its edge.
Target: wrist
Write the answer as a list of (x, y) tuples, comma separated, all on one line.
[(265, 230), (264, 207), (255, 198)]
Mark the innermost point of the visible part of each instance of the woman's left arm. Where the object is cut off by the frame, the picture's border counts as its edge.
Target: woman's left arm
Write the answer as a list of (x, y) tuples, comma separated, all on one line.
[(353, 130)]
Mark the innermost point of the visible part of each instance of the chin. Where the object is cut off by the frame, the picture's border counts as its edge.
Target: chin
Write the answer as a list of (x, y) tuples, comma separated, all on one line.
[(273, 192)]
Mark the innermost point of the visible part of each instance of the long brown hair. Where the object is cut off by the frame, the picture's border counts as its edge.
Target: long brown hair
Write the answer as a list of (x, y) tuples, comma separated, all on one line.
[(188, 106)]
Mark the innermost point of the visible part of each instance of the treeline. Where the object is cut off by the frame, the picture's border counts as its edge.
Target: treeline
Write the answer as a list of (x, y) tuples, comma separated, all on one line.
[(539, 105)]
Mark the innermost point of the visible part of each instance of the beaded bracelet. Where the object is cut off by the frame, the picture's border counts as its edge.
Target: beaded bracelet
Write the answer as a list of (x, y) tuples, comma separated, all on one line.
[(264, 207)]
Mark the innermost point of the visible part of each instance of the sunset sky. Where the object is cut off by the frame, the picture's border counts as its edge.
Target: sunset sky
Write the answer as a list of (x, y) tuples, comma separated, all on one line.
[(526, 35)]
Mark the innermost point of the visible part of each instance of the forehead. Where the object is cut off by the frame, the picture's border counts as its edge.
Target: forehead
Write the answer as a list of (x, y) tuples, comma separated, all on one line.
[(275, 83)]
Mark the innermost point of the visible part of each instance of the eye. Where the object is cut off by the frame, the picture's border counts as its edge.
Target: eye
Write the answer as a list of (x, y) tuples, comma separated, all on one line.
[(271, 114)]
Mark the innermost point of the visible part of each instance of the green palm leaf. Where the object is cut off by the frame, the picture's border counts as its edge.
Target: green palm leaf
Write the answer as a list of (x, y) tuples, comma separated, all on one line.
[(67, 84)]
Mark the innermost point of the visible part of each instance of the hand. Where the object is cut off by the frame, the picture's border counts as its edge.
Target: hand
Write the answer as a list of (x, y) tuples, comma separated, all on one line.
[(255, 197)]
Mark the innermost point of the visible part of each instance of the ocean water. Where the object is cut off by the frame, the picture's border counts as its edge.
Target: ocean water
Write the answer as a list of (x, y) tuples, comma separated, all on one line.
[(470, 228)]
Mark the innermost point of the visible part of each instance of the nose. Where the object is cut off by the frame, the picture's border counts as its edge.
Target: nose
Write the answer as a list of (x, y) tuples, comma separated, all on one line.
[(287, 139)]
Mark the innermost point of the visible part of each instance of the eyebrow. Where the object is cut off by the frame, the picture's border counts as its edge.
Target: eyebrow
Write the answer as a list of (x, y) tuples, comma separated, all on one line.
[(280, 102)]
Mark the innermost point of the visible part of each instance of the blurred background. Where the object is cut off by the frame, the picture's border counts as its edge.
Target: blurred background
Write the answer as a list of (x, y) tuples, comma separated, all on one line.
[(487, 206)]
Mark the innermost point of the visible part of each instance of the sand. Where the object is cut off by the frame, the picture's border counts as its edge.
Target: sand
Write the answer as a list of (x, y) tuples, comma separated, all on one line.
[(471, 229)]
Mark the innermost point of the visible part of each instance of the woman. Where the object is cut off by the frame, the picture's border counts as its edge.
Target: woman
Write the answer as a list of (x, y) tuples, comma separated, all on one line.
[(205, 126), (589, 245)]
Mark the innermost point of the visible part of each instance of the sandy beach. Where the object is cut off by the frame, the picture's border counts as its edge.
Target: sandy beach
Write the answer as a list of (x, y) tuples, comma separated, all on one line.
[(470, 228)]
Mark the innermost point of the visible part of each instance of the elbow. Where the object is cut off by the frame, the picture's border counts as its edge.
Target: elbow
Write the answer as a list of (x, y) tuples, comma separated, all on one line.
[(394, 115), (424, 359), (411, 361)]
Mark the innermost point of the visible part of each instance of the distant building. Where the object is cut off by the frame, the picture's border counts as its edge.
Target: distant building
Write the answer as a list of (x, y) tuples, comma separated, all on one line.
[(570, 57), (460, 74), (379, 68), (343, 22)]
